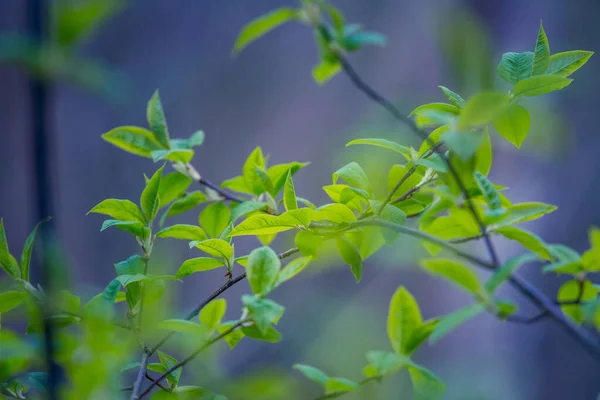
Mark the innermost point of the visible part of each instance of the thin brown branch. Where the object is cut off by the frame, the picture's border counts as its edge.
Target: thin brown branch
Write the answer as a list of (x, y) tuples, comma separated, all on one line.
[(190, 357), (216, 294)]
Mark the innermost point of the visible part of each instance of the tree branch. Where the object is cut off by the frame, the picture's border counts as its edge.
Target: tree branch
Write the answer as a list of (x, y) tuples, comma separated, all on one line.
[(193, 173), (356, 79), (216, 294), (190, 357), (137, 385)]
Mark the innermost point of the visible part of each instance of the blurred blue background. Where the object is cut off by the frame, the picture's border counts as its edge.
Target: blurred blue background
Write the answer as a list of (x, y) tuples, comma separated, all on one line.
[(266, 97)]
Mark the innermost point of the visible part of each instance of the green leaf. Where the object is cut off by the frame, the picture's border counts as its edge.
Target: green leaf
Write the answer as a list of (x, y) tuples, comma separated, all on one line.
[(133, 139), (123, 210), (351, 256), (262, 269), (528, 240), (515, 67), (11, 299), (436, 108), (182, 326), (244, 208), (397, 172), (454, 98), (169, 362), (135, 228), (149, 200), (27, 249), (386, 144), (263, 312), (216, 248), (289, 194), (197, 139), (426, 385), (157, 121), (542, 84), (312, 373), (491, 196), (354, 175), (483, 108), (506, 270), (524, 212), (278, 174), (463, 144), (271, 336), (262, 25), (292, 269), (574, 290), (325, 70), (357, 40), (215, 218), (265, 224), (456, 273), (184, 204), (564, 64), (453, 320), (174, 155), (513, 124), (391, 214), (212, 314), (308, 243), (568, 261), (237, 184), (484, 155), (232, 338), (403, 318), (420, 334), (254, 163), (382, 363), (340, 385), (541, 58), (336, 213), (199, 264), (172, 186), (126, 280), (184, 232)]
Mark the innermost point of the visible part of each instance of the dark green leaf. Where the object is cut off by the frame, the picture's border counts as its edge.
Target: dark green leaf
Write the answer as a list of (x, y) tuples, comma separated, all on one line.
[(263, 312), (27, 249), (515, 67)]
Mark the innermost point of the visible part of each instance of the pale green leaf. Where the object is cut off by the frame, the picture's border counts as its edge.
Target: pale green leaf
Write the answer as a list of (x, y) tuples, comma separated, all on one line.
[(564, 64), (182, 326), (212, 314), (542, 84), (454, 98), (215, 218), (292, 269), (134, 140), (27, 249), (340, 385), (135, 228), (336, 213), (262, 269), (426, 385), (325, 70), (506, 270), (11, 299), (254, 163), (199, 264), (454, 272), (528, 240), (244, 208), (351, 256), (483, 108), (403, 318), (312, 373), (215, 248), (573, 290), (157, 121), (182, 231), (384, 143), (289, 194), (262, 25), (453, 320), (513, 124), (123, 210), (541, 58), (172, 186), (174, 155), (354, 175)]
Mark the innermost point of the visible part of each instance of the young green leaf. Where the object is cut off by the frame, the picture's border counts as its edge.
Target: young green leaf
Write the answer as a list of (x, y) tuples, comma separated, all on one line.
[(168, 362), (528, 240), (354, 175), (340, 385), (182, 231), (513, 124), (454, 272), (325, 71), (199, 264), (312, 373), (483, 108), (292, 269), (403, 318), (272, 335), (541, 58), (426, 385), (278, 174), (149, 201), (157, 121), (262, 269), (123, 210), (308, 243), (351, 256), (463, 144), (175, 155), (453, 320), (233, 337), (355, 41), (262, 25), (454, 98), (542, 84), (183, 326), (11, 299), (524, 212), (172, 186), (254, 163), (489, 194), (515, 67), (336, 213), (185, 203), (382, 363), (134, 140), (564, 64), (484, 155), (384, 143), (263, 312), (419, 335), (391, 214), (265, 224), (506, 270), (574, 290), (212, 314), (289, 194), (247, 207), (27, 249), (135, 228), (215, 248), (215, 218)]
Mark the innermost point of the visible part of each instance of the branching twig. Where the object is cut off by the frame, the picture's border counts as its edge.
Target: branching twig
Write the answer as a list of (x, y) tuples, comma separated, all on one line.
[(216, 294), (137, 385), (193, 173), (191, 357)]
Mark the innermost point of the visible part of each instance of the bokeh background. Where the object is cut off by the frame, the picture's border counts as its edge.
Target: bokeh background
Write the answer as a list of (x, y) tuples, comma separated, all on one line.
[(266, 97)]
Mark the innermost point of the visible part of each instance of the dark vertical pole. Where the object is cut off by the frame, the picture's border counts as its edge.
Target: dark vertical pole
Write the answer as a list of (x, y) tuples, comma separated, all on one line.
[(38, 16)]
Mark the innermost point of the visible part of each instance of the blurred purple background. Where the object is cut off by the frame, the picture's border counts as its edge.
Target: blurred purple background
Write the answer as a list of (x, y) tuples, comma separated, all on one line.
[(266, 97)]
